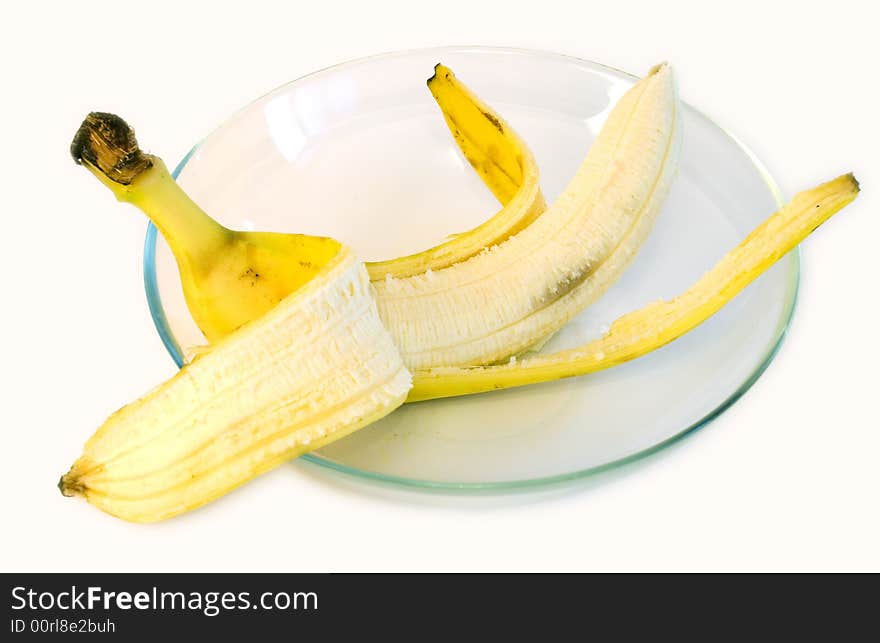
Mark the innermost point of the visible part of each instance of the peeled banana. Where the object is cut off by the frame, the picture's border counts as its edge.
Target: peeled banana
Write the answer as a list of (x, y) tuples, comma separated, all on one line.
[(332, 354)]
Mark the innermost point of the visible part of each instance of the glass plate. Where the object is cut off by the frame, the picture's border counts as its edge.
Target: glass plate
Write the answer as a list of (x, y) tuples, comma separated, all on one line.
[(360, 152)]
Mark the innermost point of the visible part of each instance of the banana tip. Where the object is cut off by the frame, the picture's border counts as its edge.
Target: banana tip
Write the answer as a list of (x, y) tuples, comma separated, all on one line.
[(856, 186), (440, 70), (70, 485), (656, 69)]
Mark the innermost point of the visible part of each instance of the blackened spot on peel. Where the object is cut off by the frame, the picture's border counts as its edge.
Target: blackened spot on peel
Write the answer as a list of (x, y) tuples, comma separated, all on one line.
[(494, 120), (252, 275)]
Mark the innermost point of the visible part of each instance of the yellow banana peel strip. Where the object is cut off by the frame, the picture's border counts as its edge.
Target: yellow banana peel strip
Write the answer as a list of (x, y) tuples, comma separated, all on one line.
[(647, 329), (501, 159)]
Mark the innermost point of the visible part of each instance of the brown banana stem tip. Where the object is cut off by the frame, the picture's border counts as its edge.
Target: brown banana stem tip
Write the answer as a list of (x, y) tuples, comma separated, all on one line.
[(107, 143), (70, 485), (855, 181)]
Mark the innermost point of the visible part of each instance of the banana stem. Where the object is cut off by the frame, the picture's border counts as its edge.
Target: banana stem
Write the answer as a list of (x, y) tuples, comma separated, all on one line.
[(106, 145), (190, 232), (647, 329)]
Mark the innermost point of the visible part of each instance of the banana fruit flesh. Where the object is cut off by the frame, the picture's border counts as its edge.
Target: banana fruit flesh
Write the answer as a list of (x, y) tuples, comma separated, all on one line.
[(501, 159), (647, 329), (511, 296), (313, 369)]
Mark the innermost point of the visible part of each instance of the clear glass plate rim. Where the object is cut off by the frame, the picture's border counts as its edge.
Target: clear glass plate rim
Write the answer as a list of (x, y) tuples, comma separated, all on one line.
[(161, 322)]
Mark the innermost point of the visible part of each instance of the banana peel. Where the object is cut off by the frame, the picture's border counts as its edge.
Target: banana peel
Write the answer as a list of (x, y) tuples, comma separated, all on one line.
[(501, 159)]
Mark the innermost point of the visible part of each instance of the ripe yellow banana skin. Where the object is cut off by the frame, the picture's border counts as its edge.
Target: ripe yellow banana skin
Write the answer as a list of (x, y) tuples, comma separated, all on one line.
[(488, 143), (647, 329), (260, 268), (229, 278), (500, 158), (312, 370)]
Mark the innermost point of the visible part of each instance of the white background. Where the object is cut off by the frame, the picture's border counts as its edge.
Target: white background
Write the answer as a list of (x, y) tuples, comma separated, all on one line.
[(787, 479)]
